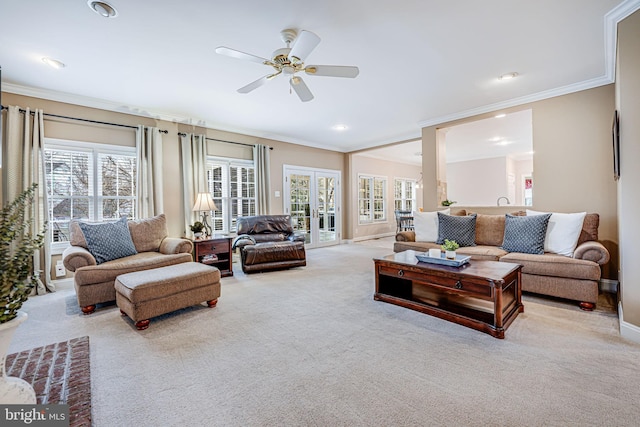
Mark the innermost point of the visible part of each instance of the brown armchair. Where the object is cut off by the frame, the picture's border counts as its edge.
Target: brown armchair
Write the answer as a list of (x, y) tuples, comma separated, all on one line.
[(268, 242)]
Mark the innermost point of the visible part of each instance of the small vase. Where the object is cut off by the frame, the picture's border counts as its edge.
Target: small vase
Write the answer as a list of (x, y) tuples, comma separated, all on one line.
[(13, 390), (450, 254), (198, 235)]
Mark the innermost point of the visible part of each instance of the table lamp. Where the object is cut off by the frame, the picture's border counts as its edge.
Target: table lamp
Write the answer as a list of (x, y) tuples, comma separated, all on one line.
[(205, 204)]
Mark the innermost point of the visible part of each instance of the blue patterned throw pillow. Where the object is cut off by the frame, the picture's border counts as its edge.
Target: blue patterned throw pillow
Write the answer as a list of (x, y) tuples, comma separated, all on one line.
[(108, 240), (462, 229), (525, 234)]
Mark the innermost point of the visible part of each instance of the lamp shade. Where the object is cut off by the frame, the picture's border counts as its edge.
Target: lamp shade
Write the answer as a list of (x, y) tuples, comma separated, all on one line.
[(204, 202)]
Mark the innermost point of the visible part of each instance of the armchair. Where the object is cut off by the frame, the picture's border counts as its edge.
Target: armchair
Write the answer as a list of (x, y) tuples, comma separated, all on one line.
[(268, 242)]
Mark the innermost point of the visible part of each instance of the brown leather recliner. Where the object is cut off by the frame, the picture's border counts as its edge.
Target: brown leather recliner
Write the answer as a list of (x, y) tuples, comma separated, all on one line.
[(268, 242)]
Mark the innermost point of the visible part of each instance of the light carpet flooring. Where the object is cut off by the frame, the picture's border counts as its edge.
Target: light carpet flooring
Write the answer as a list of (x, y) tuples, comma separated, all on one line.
[(310, 347)]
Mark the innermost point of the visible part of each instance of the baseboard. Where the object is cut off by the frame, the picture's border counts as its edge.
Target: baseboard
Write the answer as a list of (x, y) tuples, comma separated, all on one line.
[(609, 285), (627, 330), (363, 238)]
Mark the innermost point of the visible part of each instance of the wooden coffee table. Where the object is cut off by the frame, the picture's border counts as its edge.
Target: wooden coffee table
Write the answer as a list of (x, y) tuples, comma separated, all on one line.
[(483, 295)]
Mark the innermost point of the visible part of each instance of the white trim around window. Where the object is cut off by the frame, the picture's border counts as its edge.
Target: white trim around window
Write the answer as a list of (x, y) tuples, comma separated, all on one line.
[(372, 199)]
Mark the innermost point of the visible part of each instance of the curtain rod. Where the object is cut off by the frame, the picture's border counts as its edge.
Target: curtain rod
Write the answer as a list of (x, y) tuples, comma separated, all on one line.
[(84, 120), (222, 140)]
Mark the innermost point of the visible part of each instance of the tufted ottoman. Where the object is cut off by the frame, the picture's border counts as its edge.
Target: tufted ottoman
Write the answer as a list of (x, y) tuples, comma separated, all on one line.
[(142, 295), (272, 256)]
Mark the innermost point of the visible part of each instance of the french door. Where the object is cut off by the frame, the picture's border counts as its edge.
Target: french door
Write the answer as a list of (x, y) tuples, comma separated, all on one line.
[(312, 198)]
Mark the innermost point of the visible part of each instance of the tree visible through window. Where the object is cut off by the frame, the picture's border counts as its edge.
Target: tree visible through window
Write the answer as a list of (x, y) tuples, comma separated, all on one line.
[(372, 199), (94, 183)]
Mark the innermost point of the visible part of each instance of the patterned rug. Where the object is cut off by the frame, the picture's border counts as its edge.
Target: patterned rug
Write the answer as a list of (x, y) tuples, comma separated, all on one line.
[(59, 373)]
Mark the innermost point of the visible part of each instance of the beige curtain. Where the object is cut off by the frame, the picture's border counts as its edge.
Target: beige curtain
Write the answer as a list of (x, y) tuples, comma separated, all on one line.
[(261, 160), (23, 165), (193, 150), (149, 166)]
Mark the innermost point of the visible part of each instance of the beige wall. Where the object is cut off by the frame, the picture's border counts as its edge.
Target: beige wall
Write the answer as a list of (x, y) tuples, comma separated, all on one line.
[(572, 161), (282, 153), (365, 165), (628, 104)]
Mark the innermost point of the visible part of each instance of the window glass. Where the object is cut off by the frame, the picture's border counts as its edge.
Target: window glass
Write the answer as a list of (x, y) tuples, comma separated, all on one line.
[(232, 186), (87, 181), (372, 199)]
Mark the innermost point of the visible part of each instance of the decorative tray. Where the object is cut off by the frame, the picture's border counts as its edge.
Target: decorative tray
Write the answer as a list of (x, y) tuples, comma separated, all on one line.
[(458, 262)]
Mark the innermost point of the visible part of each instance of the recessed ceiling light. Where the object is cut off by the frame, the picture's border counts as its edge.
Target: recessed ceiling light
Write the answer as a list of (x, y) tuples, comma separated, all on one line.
[(499, 116), (103, 8), (340, 127), (508, 76), (53, 63)]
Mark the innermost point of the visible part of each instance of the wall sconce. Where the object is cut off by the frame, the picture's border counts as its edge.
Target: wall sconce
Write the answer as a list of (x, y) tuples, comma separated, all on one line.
[(205, 204)]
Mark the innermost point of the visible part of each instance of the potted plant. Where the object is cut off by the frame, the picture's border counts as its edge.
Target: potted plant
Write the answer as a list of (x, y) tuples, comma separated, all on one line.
[(196, 229), (17, 280), (450, 247), (448, 202)]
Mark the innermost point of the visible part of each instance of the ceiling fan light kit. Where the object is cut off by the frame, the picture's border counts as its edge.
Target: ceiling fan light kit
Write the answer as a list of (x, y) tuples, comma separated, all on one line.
[(290, 61)]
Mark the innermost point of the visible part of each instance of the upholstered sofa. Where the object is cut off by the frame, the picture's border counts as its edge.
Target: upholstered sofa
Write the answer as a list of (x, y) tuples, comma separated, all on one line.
[(268, 242), (573, 277), (94, 280)]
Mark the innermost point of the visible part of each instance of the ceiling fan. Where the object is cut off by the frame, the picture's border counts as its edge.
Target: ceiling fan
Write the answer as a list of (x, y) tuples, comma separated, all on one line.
[(290, 61)]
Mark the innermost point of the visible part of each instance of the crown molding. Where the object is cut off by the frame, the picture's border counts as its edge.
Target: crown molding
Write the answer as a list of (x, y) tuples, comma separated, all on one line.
[(611, 20), (564, 90)]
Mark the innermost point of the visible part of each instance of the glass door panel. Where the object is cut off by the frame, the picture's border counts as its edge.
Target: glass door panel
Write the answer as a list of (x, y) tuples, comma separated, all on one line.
[(312, 199)]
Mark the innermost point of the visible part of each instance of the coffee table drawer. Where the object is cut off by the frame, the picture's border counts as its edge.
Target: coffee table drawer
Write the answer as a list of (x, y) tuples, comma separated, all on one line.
[(460, 285)]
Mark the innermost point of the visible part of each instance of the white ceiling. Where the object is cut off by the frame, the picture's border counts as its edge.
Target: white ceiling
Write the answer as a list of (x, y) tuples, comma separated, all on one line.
[(510, 135), (421, 62)]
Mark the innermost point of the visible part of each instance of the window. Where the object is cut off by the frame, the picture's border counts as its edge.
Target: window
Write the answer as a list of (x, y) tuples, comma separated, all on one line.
[(404, 194), (232, 185), (371, 199), (87, 181)]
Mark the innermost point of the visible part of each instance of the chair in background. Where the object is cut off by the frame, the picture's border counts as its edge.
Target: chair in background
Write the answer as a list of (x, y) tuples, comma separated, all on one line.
[(404, 220)]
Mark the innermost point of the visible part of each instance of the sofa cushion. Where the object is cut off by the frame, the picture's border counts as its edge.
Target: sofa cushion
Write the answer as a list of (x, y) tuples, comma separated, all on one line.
[(425, 225), (563, 232), (264, 224), (525, 234), (555, 266), (148, 233), (108, 271), (589, 230), (76, 236), (484, 253), (108, 240), (490, 230), (462, 229)]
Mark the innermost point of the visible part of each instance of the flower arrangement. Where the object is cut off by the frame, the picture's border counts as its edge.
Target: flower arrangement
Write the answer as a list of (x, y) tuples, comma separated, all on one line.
[(17, 246)]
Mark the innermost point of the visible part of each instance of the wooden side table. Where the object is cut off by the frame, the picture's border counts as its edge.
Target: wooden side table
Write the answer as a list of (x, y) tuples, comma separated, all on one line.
[(215, 251)]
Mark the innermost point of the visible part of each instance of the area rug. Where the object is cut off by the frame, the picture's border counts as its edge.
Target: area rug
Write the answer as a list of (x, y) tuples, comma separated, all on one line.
[(59, 374)]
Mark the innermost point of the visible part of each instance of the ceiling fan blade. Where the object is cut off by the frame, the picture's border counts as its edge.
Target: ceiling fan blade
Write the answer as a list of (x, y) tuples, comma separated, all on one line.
[(332, 71), (222, 50), (255, 85), (301, 89), (303, 45)]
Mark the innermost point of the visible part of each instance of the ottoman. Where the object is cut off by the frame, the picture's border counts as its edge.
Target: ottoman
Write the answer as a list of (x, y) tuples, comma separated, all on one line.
[(142, 295), (272, 256)]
